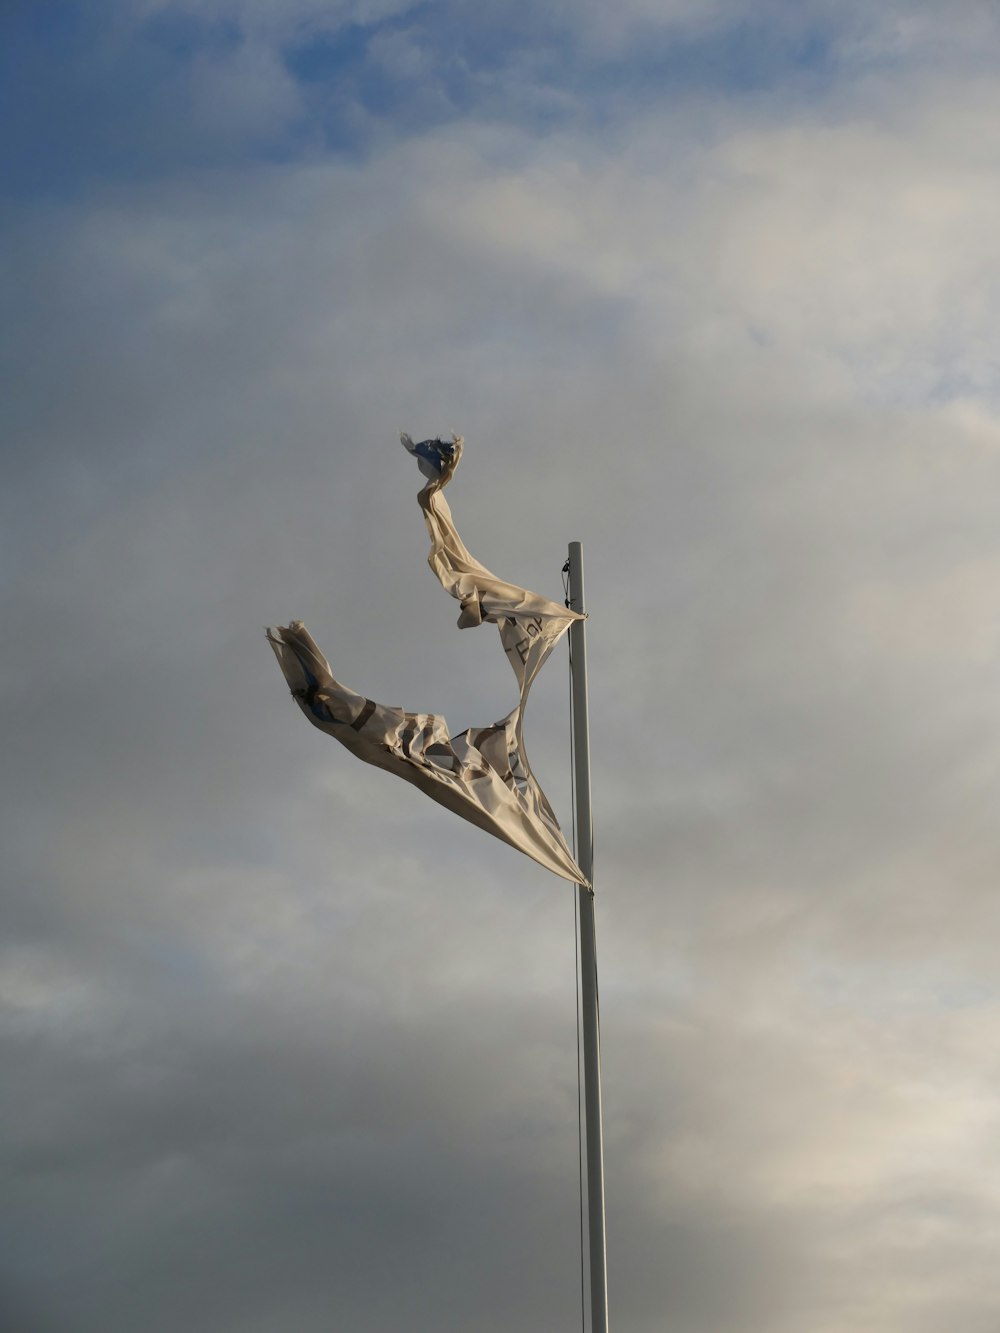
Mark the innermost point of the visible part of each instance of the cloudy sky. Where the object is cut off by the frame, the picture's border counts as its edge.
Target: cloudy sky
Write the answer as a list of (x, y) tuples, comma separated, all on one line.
[(713, 287)]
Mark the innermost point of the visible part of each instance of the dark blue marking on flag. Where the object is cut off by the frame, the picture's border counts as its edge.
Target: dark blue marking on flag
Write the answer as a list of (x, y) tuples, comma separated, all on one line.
[(436, 453)]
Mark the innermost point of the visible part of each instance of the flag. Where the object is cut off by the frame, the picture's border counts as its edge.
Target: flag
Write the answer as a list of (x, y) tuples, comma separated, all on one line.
[(482, 773)]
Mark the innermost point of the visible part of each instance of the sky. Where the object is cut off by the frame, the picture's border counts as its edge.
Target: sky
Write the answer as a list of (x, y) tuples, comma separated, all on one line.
[(712, 287)]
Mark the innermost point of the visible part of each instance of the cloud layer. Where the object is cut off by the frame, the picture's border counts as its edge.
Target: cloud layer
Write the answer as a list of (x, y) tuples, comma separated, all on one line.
[(284, 1044)]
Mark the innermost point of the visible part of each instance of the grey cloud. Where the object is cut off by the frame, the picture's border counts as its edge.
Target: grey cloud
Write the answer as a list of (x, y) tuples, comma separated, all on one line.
[(283, 1041)]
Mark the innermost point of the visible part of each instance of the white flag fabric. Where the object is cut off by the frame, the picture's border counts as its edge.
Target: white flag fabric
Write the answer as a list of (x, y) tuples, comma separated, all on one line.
[(481, 774)]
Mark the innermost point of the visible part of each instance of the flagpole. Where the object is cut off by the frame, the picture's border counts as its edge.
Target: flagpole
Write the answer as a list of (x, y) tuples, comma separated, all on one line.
[(590, 1013)]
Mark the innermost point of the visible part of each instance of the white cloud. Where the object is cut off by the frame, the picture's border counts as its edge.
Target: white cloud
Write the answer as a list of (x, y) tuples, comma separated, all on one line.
[(865, 246)]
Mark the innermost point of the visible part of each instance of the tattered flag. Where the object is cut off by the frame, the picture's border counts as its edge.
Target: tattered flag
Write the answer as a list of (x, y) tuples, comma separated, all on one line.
[(482, 773)]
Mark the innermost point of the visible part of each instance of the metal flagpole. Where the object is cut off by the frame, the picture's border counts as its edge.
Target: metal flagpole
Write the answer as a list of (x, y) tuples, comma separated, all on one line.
[(588, 953)]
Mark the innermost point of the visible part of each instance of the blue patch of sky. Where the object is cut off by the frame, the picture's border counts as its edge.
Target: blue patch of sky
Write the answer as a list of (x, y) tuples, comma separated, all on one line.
[(28, 19), (330, 55), (537, 77), (37, 43), (184, 36), (89, 100)]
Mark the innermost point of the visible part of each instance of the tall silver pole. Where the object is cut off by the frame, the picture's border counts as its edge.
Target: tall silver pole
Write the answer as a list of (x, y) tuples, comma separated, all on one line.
[(588, 954)]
